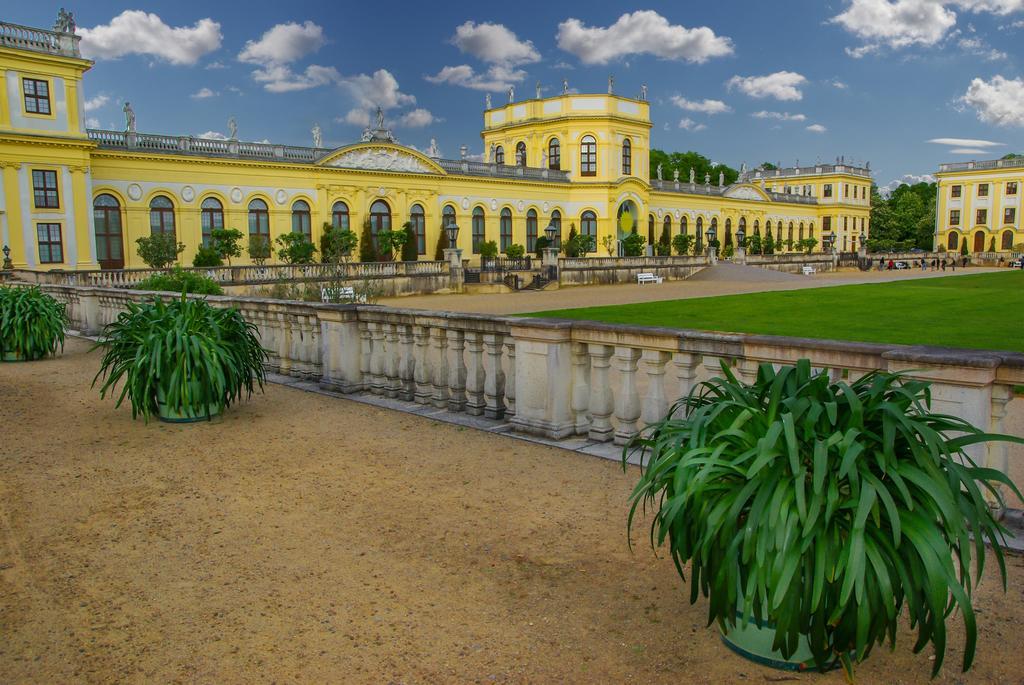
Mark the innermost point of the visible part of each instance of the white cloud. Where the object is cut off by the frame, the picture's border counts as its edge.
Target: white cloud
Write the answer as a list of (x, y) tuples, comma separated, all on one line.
[(976, 46), (702, 106), (908, 179), (563, 66), (782, 85), (283, 44), (964, 142), (1000, 7), (216, 64), (380, 88), (896, 23), (279, 78), (999, 101), (134, 32), (816, 128), (836, 83), (356, 117), (212, 135), (642, 32), (967, 151), (498, 78), (418, 118), (92, 122), (95, 103), (779, 116), (691, 125), (494, 43), (202, 94)]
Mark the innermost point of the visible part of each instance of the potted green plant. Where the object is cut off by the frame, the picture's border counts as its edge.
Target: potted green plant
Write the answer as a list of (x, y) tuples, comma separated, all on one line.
[(183, 360), (32, 324), (813, 513)]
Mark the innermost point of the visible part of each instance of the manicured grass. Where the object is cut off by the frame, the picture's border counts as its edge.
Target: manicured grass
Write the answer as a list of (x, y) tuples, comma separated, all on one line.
[(983, 311)]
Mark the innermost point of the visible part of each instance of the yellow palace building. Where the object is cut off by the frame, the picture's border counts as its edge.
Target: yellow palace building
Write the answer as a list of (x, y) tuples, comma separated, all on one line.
[(74, 198), (979, 205)]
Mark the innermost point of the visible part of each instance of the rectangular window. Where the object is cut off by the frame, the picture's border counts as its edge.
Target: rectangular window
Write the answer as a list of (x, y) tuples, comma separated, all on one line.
[(982, 217), (982, 190), (828, 190), (51, 248), (954, 191), (954, 217), (44, 189), (37, 96), (1011, 188), (1009, 215), (826, 224), (846, 190)]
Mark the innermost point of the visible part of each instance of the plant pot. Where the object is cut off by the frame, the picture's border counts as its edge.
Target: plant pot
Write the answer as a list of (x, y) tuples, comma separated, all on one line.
[(754, 642), (167, 415)]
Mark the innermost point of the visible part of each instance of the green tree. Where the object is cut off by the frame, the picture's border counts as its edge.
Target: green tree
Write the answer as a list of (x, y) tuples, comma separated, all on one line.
[(753, 243), (207, 256), (903, 220), (159, 250), (769, 244), (225, 242), (571, 243), (488, 250), (389, 243), (410, 248), (296, 248), (664, 246), (633, 245), (259, 248), (684, 161), (682, 243), (541, 243), (367, 245), (515, 251), (442, 245), (336, 244)]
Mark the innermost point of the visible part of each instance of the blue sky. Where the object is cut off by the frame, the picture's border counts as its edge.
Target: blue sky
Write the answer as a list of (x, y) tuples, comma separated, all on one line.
[(873, 80)]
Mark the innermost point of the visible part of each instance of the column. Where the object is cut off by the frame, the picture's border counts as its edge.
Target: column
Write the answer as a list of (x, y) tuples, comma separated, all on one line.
[(580, 387), (655, 406), (456, 371), (494, 384), (475, 374), (365, 353), (510, 382), (421, 371), (80, 205), (393, 383), (627, 400), (284, 343), (439, 344), (377, 381), (600, 393), (407, 363), (541, 393), (685, 364), (998, 453)]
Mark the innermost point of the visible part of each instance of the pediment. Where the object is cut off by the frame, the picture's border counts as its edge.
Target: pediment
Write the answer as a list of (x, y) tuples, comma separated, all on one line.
[(745, 191), (381, 157)]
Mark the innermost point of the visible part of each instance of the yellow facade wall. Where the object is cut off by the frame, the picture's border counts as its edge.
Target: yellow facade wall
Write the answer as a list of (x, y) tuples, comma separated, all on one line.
[(957, 217)]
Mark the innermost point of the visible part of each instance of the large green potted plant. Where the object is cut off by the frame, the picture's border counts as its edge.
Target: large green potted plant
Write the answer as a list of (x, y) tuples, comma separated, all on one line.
[(812, 514), (183, 360), (32, 324)]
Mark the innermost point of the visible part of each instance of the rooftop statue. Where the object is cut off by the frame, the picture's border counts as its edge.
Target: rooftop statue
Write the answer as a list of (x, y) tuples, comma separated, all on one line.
[(232, 129), (692, 174), (565, 86), (538, 90), (318, 136), (611, 85), (511, 93), (643, 91), (65, 22), (659, 171), (432, 151), (487, 101), (380, 118), (129, 118)]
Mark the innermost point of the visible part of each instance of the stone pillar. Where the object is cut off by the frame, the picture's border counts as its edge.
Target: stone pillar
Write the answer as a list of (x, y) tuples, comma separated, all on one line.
[(685, 364), (627, 400), (510, 378), (712, 255), (284, 344), (456, 371), (377, 381), (580, 387), (340, 350), (549, 260), (392, 359), (741, 255), (421, 370), (439, 356), (540, 362), (365, 353), (406, 364), (998, 455), (475, 374), (494, 384), (655, 406), (600, 403), (453, 255)]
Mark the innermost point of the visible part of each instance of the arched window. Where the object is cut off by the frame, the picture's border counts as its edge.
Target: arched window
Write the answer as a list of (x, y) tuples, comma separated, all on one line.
[(801, 233), (259, 218), (447, 215), (757, 228), (728, 232), (556, 221), (106, 214), (810, 231), (588, 156), (789, 236), (778, 234), (714, 229), (554, 154), (300, 218), (700, 233), (531, 231), (211, 217), (666, 228), (1007, 243), (768, 229), (380, 219), (742, 225), (505, 229), (650, 228), (419, 227), (954, 241), (627, 158), (161, 215), (339, 215), (520, 153), (479, 229), (588, 226), (499, 155), (683, 227), (979, 241)]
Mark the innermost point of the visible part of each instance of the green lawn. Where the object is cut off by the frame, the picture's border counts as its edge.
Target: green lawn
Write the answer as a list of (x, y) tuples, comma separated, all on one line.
[(979, 311)]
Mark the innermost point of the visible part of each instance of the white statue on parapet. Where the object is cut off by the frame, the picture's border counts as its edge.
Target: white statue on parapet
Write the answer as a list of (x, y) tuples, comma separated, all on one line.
[(675, 175), (65, 22), (318, 136), (432, 151), (129, 118), (643, 91), (721, 179), (487, 101), (659, 171), (232, 129), (380, 118), (692, 174), (611, 85), (565, 86), (511, 93), (538, 90)]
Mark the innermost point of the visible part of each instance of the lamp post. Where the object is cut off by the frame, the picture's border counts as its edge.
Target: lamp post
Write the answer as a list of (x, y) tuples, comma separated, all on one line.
[(453, 255), (862, 247), (549, 255), (741, 247), (8, 264), (712, 252)]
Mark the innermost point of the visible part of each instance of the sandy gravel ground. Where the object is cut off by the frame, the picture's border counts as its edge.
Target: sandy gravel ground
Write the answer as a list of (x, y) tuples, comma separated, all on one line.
[(729, 280), (305, 539)]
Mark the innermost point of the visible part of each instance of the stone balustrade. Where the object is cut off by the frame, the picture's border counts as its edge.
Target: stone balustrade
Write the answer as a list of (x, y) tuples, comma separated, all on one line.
[(563, 379)]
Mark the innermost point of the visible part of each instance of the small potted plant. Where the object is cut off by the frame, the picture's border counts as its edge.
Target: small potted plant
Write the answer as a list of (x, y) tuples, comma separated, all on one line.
[(812, 513), (32, 324), (183, 360)]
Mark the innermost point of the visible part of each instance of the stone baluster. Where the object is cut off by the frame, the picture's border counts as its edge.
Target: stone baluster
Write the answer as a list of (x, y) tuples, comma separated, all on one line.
[(601, 405), (421, 368), (685, 364), (378, 383), (580, 387), (439, 355), (655, 405), (510, 378), (475, 373), (456, 371), (746, 370), (313, 347), (407, 363), (365, 354), (998, 452), (494, 384), (296, 351), (284, 343), (627, 400), (392, 359)]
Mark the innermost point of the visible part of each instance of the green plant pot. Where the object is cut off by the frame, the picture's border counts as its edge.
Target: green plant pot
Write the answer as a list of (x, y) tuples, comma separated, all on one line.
[(754, 642), (191, 415)]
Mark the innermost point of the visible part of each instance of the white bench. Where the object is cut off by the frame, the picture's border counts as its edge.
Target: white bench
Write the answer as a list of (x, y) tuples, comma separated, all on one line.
[(809, 270), (342, 293), (648, 278)]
